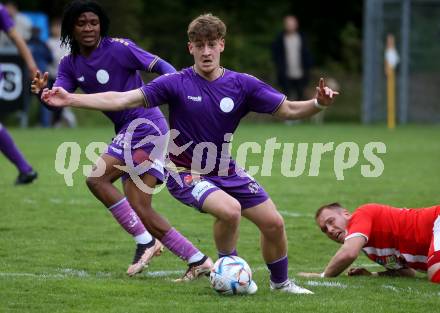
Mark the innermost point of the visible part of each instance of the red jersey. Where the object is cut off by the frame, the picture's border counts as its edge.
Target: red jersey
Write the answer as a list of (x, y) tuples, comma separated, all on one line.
[(396, 238)]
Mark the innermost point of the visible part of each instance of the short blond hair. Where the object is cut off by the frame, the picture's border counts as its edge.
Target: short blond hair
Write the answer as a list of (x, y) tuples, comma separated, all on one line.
[(331, 206), (206, 27)]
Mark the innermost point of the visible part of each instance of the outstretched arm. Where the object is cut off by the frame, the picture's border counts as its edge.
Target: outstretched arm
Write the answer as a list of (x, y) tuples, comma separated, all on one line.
[(345, 256), (163, 67), (342, 259), (404, 272), (292, 110), (106, 101), (23, 50)]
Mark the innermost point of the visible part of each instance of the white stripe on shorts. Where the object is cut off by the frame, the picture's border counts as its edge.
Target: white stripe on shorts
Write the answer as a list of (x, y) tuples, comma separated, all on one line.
[(200, 188), (436, 234)]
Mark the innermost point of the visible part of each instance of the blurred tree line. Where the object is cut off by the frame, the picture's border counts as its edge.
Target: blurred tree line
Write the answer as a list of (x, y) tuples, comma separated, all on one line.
[(333, 30)]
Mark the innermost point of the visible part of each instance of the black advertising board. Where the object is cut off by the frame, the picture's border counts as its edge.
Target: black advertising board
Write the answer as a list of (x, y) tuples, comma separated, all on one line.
[(14, 83)]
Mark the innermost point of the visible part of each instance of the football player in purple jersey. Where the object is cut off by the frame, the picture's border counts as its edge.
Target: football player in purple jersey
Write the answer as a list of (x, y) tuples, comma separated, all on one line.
[(7, 146), (206, 104), (98, 63)]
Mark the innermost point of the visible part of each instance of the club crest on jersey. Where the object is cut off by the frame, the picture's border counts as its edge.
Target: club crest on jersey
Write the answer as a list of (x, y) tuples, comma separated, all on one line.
[(102, 76), (254, 187), (226, 104), (394, 262), (190, 180)]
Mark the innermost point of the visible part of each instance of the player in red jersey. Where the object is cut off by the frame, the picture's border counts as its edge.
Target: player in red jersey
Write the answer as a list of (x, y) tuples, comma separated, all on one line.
[(401, 240)]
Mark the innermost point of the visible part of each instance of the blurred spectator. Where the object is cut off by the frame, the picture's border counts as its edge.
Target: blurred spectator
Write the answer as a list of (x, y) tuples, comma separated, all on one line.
[(43, 57), (292, 59), (23, 24), (64, 116)]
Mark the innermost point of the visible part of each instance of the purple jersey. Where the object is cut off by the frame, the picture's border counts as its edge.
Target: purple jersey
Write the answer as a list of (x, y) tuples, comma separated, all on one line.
[(113, 66), (6, 22), (204, 111)]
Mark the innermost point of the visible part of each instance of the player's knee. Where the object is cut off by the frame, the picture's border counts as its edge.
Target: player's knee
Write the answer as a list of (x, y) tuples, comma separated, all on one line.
[(279, 223), (275, 224), (143, 209), (232, 212), (93, 183)]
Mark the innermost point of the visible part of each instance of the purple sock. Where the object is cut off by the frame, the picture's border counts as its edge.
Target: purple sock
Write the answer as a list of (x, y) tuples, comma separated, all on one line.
[(278, 270), (179, 245), (10, 150), (127, 218), (222, 254)]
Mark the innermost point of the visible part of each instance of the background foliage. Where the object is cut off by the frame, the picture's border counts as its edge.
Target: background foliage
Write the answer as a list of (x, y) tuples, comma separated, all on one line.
[(331, 27), (333, 30)]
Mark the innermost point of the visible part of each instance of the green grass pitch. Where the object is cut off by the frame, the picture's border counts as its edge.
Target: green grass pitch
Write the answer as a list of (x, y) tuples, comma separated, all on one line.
[(61, 251)]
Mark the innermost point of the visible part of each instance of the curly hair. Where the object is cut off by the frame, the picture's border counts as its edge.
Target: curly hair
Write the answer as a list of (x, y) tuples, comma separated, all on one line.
[(71, 13)]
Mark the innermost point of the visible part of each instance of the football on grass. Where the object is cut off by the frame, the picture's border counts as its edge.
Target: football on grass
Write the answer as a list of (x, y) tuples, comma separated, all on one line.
[(231, 275)]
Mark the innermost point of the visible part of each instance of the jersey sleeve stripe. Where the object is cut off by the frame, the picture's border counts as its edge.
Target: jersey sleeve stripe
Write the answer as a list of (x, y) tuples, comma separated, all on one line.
[(356, 235), (146, 104), (150, 67), (279, 104), (380, 251)]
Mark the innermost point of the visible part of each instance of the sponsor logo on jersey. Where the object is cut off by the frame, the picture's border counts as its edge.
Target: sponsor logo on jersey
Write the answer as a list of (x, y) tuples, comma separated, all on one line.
[(201, 188), (118, 151), (195, 99)]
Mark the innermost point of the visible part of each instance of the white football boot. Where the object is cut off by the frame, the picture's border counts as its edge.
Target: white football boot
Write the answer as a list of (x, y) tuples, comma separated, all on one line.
[(252, 289), (289, 287)]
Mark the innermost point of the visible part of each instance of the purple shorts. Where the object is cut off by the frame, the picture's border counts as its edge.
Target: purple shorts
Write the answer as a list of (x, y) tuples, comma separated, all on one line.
[(128, 148), (192, 190)]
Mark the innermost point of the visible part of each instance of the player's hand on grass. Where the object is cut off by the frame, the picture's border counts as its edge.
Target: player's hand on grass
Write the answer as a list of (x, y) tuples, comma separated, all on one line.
[(309, 275), (39, 82), (358, 271), (324, 94), (57, 97)]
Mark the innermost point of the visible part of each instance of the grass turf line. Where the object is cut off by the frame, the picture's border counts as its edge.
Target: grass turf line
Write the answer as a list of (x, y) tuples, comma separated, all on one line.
[(60, 251)]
